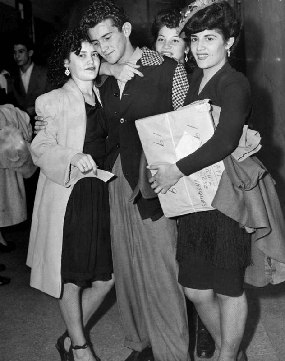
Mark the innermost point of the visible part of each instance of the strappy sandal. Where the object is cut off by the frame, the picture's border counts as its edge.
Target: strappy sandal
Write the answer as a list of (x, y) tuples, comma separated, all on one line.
[(82, 348), (64, 355)]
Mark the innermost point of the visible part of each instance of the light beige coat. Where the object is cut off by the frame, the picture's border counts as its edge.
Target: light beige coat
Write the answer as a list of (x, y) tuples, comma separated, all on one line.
[(15, 164), (52, 150)]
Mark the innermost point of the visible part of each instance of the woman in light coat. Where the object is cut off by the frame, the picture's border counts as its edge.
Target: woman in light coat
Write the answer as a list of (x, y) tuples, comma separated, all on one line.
[(69, 247)]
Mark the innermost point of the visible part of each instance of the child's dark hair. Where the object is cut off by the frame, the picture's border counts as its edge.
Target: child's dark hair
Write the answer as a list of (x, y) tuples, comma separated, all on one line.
[(166, 17), (68, 41)]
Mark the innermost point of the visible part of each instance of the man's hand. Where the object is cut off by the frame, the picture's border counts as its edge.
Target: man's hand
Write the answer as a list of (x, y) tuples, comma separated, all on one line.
[(40, 124), (125, 71), (166, 176), (84, 162)]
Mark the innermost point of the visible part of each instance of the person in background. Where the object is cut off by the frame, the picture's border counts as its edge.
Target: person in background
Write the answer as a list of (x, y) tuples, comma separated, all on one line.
[(4, 99), (30, 81), (167, 42), (15, 165), (70, 249), (164, 35), (213, 251)]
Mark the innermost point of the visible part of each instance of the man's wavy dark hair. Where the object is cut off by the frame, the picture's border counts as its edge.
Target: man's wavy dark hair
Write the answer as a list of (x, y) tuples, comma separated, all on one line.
[(100, 11), (23, 39), (68, 41)]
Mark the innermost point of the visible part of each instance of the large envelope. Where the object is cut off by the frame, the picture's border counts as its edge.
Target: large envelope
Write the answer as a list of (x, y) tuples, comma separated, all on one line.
[(171, 136)]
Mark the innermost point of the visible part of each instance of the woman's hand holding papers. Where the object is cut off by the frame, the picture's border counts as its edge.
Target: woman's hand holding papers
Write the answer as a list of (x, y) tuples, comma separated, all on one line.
[(165, 177)]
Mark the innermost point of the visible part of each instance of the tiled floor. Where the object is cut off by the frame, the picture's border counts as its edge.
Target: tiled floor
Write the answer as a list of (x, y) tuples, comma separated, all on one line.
[(30, 322)]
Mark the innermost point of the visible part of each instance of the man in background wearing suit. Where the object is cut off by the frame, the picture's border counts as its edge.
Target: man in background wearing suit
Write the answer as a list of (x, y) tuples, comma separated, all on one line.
[(30, 80)]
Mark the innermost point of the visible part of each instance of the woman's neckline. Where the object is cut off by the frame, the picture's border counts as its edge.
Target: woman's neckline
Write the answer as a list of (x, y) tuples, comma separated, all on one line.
[(200, 90)]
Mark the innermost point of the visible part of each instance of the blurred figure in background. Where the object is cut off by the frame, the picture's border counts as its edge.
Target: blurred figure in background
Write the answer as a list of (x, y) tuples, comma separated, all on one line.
[(30, 81), (5, 85), (15, 165)]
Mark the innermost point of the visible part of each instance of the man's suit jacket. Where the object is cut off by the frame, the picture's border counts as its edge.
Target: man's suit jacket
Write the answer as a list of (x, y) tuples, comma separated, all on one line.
[(37, 86)]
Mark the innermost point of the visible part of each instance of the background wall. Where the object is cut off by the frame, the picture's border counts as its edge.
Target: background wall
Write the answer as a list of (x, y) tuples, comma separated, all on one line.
[(8, 23), (264, 24)]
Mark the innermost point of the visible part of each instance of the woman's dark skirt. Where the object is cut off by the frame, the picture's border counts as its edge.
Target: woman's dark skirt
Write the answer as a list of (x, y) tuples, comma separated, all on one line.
[(213, 252), (86, 249)]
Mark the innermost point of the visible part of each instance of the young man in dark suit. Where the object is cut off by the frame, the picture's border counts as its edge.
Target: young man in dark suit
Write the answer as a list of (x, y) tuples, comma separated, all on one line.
[(150, 300), (30, 80)]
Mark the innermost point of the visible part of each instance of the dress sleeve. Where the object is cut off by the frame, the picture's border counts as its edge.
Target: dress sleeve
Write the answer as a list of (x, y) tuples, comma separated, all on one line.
[(235, 109), (52, 157)]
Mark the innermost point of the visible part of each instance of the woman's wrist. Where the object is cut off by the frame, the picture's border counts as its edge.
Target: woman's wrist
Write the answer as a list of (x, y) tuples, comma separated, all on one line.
[(177, 171)]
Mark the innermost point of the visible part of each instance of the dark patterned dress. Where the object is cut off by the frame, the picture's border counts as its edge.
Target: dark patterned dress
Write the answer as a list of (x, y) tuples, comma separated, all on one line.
[(86, 249)]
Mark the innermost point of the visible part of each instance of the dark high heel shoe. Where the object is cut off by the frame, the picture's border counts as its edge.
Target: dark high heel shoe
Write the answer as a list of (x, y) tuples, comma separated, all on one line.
[(64, 355), (205, 344)]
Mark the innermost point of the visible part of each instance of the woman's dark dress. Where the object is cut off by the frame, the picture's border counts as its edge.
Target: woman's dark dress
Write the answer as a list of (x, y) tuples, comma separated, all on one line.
[(86, 249), (212, 250)]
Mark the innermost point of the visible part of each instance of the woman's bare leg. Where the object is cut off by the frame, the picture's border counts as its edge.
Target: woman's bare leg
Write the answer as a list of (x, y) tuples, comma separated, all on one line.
[(224, 317), (92, 298), (233, 319), (77, 313), (70, 307), (208, 308)]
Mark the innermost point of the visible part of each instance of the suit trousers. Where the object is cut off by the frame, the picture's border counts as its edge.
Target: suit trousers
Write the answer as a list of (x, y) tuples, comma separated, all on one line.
[(150, 300)]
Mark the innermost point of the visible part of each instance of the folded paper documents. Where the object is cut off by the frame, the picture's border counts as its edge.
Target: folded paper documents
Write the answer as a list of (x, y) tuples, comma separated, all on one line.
[(168, 137)]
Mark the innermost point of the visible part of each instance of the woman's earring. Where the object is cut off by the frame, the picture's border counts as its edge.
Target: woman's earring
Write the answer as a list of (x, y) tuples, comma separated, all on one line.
[(186, 57), (228, 52), (67, 72)]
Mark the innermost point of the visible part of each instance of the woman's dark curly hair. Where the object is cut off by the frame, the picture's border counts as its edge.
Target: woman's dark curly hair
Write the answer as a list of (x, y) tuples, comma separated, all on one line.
[(219, 16), (166, 17), (68, 41), (100, 11)]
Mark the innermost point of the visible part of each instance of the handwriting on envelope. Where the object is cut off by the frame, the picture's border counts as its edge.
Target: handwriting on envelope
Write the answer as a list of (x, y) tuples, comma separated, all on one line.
[(168, 137)]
